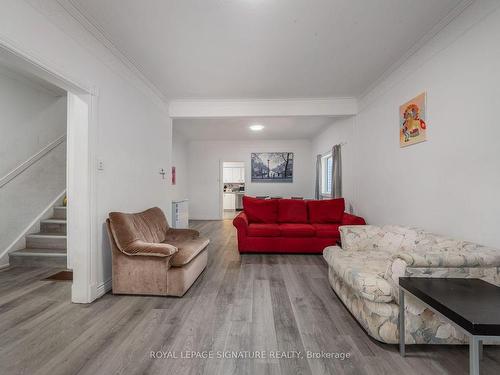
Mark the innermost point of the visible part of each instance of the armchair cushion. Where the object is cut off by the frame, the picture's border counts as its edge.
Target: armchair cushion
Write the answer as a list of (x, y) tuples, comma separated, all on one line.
[(174, 234), (140, 233), (188, 249)]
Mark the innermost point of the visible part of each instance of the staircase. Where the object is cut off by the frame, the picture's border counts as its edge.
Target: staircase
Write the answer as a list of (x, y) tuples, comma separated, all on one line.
[(46, 248)]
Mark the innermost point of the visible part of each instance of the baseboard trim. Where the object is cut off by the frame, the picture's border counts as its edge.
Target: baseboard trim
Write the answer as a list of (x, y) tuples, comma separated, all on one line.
[(98, 290), (4, 266)]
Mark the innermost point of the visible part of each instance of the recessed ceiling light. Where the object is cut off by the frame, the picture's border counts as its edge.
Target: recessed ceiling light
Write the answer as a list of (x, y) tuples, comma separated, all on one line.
[(256, 127)]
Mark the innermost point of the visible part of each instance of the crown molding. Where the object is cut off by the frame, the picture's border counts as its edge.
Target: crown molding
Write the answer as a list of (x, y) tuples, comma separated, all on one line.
[(92, 26), (133, 69), (219, 108), (428, 36)]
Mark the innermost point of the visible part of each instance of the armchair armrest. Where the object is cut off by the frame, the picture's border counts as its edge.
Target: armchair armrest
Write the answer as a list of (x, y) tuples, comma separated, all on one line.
[(349, 219), (241, 222), (149, 249)]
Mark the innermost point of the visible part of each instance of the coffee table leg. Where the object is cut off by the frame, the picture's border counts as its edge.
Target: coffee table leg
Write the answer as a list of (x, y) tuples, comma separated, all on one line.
[(474, 355), (402, 322)]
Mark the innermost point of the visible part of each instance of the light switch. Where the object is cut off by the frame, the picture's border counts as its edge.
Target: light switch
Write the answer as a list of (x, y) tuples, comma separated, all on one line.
[(100, 165)]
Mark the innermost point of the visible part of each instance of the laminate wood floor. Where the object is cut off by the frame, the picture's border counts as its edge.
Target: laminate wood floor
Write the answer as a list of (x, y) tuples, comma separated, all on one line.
[(277, 304)]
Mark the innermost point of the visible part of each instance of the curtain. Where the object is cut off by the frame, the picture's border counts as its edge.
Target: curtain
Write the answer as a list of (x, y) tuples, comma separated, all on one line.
[(317, 191), (336, 171)]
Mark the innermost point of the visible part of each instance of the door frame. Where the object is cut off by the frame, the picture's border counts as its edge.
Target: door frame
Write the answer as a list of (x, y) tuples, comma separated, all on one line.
[(81, 179), (221, 183)]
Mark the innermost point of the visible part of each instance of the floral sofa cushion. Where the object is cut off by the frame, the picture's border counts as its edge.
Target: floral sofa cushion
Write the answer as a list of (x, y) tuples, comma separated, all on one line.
[(389, 238), (362, 271)]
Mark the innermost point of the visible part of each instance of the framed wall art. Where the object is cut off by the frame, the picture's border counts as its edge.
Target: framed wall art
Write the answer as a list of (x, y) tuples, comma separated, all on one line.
[(412, 121)]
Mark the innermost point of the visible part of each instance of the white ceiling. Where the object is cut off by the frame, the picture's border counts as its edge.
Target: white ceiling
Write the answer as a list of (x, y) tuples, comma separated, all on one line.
[(264, 48), (237, 128)]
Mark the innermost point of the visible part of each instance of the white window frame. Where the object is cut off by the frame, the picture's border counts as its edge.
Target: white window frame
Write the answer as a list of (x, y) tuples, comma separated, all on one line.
[(324, 175)]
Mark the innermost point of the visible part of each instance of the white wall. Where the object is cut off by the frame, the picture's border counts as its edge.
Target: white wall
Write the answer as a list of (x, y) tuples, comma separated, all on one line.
[(448, 184), (340, 131), (180, 161), (32, 118), (204, 163), (133, 128)]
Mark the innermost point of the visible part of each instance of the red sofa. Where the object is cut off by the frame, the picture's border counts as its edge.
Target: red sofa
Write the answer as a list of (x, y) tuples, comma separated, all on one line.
[(290, 225)]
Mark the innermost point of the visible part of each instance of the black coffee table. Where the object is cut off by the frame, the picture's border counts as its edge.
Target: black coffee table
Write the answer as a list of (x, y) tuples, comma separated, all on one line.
[(472, 305)]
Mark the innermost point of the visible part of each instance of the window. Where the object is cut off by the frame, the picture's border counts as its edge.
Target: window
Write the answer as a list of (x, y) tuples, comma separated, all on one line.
[(326, 174)]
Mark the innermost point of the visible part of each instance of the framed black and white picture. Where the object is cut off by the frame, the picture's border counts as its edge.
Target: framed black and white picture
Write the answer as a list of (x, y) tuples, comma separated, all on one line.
[(272, 167)]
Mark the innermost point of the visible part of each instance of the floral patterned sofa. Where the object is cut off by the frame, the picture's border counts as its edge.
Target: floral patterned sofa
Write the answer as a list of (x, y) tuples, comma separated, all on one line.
[(365, 272)]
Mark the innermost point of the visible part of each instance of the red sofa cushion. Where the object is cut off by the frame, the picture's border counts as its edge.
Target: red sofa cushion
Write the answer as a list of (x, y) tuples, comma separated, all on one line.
[(326, 211), (327, 230), (260, 210), (292, 211), (297, 230), (263, 230)]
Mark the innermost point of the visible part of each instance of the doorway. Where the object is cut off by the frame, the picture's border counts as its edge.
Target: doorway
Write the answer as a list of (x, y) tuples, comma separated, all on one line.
[(80, 222), (232, 189)]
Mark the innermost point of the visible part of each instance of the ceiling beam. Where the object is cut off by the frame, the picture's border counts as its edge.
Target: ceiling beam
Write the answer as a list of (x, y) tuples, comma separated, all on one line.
[(262, 108)]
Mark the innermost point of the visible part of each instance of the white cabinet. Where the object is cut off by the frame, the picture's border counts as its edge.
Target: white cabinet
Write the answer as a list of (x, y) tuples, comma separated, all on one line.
[(233, 174), (239, 174), (228, 174), (229, 202)]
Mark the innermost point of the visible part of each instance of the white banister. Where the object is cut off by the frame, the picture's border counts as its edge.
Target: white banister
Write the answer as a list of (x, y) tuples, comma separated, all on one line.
[(32, 160)]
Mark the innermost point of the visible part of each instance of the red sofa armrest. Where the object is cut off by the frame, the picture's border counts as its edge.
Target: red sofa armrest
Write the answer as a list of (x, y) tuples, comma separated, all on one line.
[(241, 222), (349, 219)]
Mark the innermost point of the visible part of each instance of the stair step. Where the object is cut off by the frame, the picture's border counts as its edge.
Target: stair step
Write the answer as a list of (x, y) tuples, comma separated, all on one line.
[(38, 257), (46, 241), (60, 212), (53, 226)]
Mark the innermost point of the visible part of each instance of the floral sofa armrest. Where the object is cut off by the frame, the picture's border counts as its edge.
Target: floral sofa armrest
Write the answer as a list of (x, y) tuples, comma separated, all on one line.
[(481, 256), (359, 237), (482, 263)]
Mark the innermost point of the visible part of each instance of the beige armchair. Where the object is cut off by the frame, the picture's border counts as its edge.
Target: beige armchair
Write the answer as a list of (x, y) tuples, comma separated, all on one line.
[(149, 257)]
